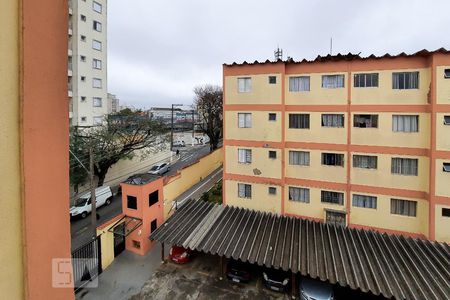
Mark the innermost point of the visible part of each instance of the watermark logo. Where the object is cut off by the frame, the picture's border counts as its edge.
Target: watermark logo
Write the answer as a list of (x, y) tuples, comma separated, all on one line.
[(74, 273)]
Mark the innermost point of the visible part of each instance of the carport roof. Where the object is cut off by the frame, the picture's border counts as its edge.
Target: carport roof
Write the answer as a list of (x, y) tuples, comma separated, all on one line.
[(391, 265)]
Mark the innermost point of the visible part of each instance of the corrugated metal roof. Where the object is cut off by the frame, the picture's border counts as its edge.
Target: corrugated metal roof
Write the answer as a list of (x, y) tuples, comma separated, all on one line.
[(391, 265), (343, 57)]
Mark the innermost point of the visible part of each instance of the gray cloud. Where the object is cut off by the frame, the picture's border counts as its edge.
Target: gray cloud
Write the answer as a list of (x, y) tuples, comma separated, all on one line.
[(158, 51)]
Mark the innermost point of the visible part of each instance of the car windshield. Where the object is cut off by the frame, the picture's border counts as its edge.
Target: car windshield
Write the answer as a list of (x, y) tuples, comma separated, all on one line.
[(80, 202), (154, 168)]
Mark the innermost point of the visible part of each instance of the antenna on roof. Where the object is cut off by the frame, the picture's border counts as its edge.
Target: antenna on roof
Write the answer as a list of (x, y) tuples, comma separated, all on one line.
[(278, 53), (331, 46)]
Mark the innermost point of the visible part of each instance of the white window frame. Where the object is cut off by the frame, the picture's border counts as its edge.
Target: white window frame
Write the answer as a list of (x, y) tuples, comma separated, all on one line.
[(96, 43), (244, 190), (244, 156), (244, 120), (405, 80), (365, 80), (97, 102), (336, 81), (97, 7), (299, 84), (96, 64), (97, 26), (95, 81), (244, 84)]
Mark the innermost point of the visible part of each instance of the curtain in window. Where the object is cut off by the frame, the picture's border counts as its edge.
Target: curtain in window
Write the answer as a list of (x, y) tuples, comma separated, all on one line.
[(332, 81), (248, 120), (298, 121), (299, 158), (404, 166), (299, 194), (245, 120), (405, 123), (300, 83), (403, 207), (365, 161), (244, 190), (332, 120), (365, 201), (405, 80), (332, 197), (244, 85)]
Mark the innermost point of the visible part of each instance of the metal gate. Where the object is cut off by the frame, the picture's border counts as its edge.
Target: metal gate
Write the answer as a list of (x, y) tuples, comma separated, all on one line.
[(119, 239), (87, 264)]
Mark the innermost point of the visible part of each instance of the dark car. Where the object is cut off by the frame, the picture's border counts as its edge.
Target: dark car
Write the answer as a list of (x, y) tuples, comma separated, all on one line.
[(238, 271), (276, 280), (180, 255), (315, 289)]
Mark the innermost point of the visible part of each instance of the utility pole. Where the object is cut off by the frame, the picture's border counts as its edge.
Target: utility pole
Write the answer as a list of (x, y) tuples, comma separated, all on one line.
[(193, 126), (93, 198)]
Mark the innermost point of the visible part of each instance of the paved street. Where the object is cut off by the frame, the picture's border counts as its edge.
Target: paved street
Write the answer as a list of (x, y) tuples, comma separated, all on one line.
[(81, 229)]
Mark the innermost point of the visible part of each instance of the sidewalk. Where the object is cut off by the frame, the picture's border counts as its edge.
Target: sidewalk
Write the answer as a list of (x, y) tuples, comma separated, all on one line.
[(125, 276)]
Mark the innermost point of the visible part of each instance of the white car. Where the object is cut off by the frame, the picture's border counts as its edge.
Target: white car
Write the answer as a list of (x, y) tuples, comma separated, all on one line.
[(160, 169), (83, 207), (179, 144)]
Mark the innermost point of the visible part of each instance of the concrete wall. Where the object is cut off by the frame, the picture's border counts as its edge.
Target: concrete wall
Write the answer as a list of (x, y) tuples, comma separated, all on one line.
[(185, 178), (12, 282)]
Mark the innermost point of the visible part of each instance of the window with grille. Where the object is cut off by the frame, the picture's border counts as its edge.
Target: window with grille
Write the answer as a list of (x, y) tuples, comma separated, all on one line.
[(244, 156), (405, 123), (299, 194), (365, 161), (299, 158), (332, 81), (244, 120), (244, 190), (299, 84), (333, 159), (405, 80), (365, 201), (245, 85), (335, 217), (332, 120), (365, 80), (404, 166), (332, 197), (403, 207), (299, 121), (272, 154), (365, 121)]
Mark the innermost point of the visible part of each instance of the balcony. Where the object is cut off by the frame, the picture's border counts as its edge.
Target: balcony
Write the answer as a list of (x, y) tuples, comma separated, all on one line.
[(70, 8), (69, 52), (69, 88), (69, 69)]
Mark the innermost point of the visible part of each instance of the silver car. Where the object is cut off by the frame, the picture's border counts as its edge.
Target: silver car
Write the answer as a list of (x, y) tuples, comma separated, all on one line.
[(160, 169), (314, 289)]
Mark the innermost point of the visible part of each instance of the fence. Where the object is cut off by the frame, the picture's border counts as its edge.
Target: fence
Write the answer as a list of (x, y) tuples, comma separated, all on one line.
[(86, 263)]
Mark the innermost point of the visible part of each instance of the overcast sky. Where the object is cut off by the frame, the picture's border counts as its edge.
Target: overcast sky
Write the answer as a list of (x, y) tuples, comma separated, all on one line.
[(158, 51)]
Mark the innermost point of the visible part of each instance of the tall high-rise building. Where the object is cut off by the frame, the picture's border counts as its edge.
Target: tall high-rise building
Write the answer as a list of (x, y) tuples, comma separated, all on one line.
[(362, 142), (87, 79), (113, 103)]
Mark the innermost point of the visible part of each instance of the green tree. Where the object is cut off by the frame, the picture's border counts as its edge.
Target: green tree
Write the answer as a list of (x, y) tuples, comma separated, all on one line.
[(120, 136), (209, 102)]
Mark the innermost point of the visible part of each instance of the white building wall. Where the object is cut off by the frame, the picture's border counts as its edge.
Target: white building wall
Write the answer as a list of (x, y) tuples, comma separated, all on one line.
[(83, 72)]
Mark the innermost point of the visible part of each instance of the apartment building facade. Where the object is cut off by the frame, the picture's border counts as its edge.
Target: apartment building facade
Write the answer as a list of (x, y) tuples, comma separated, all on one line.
[(87, 74), (363, 142), (113, 103)]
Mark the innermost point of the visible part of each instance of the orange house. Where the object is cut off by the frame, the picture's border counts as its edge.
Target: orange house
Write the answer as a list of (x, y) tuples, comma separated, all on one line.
[(142, 200)]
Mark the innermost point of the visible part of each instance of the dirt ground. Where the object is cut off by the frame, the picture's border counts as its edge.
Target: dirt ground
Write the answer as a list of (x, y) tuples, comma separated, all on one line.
[(200, 279)]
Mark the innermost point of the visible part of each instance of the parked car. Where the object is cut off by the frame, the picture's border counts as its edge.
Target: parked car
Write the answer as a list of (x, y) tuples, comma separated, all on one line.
[(238, 271), (276, 280), (180, 255), (311, 289), (179, 144), (83, 207), (160, 169)]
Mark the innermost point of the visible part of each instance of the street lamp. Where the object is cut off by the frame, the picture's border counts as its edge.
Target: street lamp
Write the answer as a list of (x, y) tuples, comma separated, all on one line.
[(171, 128)]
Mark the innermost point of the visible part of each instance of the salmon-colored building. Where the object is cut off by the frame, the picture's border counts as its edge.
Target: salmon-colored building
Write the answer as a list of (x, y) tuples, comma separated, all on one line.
[(363, 142), (34, 162)]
